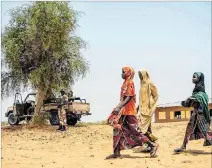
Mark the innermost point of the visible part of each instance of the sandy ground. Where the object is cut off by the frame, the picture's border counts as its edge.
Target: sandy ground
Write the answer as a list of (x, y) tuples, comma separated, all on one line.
[(87, 146)]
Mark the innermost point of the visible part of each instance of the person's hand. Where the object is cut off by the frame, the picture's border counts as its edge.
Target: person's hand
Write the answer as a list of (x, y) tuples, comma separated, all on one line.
[(187, 101), (117, 110), (183, 103), (137, 109)]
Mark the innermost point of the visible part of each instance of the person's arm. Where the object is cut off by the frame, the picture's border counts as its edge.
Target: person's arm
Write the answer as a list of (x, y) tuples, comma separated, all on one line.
[(194, 102), (154, 93), (126, 100), (189, 102), (122, 104), (186, 103), (128, 96)]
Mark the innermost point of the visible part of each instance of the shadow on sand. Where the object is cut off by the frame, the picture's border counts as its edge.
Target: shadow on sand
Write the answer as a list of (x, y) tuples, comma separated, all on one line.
[(198, 152), (195, 152), (133, 157)]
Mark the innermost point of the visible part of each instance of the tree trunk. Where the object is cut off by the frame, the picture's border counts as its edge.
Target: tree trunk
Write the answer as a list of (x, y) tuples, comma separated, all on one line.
[(40, 96)]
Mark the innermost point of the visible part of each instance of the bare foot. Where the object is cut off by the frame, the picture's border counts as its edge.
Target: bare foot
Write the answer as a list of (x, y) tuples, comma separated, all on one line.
[(154, 151), (113, 156)]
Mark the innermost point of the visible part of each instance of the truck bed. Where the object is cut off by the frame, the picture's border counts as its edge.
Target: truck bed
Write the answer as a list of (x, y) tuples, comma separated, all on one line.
[(75, 107)]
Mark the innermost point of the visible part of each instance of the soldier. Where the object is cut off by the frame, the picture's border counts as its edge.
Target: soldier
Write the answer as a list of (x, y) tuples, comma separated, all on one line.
[(62, 111), (70, 94)]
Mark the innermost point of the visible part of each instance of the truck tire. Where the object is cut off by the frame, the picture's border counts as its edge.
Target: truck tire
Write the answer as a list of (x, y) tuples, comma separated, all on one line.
[(54, 119), (12, 119), (30, 111), (72, 122)]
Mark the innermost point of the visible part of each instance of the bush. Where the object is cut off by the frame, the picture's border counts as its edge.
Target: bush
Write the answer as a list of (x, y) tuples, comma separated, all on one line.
[(41, 119)]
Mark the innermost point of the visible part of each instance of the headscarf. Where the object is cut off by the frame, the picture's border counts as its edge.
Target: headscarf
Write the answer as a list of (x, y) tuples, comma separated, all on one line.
[(200, 95), (148, 94), (129, 72), (146, 79), (200, 86)]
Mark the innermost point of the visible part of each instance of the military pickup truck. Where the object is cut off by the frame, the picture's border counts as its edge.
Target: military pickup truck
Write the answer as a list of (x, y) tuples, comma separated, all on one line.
[(24, 110)]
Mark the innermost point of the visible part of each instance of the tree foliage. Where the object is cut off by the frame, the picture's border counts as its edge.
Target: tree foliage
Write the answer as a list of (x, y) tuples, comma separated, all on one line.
[(41, 49)]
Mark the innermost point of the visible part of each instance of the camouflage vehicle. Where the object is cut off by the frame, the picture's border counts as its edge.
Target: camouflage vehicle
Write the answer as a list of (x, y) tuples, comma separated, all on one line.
[(24, 110)]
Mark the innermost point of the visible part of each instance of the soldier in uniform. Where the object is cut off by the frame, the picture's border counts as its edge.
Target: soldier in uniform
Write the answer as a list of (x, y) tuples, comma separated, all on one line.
[(62, 111), (70, 94)]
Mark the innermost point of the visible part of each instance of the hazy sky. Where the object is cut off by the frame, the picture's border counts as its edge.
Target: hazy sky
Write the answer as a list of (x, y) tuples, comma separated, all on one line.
[(169, 39)]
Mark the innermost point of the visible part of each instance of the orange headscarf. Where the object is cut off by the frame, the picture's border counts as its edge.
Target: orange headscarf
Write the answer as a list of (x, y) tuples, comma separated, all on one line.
[(130, 73)]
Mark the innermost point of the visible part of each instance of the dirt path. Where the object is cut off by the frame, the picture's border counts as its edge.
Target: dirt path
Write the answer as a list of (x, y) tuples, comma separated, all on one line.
[(86, 147)]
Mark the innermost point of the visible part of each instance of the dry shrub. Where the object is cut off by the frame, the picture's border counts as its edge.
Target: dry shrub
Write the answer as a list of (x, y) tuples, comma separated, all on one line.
[(40, 120), (81, 124), (85, 124)]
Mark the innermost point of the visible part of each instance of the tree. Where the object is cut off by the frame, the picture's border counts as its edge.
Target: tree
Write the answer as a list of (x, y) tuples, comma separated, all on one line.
[(41, 49)]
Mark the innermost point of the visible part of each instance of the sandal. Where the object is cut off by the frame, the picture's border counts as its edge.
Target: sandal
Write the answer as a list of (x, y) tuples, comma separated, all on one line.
[(146, 150), (153, 151), (179, 150)]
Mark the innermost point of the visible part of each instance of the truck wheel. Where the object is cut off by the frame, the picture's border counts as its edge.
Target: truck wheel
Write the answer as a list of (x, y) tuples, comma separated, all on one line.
[(54, 119), (12, 119), (72, 122)]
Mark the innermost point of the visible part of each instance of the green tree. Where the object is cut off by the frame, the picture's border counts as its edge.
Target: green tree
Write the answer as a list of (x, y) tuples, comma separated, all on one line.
[(41, 49)]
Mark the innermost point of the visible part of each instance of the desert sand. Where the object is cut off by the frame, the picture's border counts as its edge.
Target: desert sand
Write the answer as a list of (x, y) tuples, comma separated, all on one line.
[(87, 147)]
